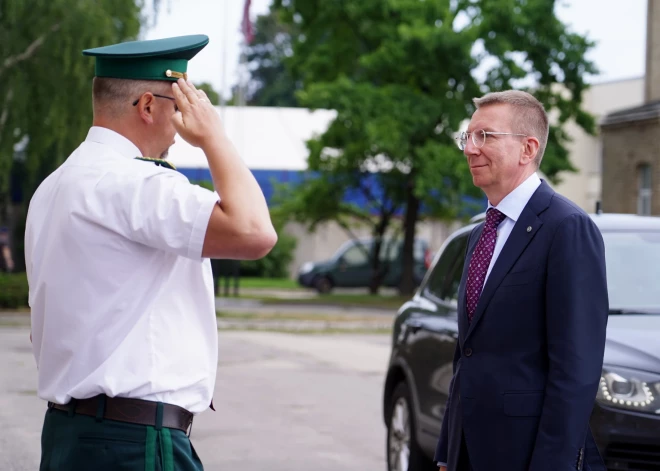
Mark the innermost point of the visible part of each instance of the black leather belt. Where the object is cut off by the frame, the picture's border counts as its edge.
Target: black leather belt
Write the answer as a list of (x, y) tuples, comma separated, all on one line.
[(133, 411)]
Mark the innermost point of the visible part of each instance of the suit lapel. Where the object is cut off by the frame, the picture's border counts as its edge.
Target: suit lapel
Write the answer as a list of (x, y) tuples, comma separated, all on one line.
[(522, 234)]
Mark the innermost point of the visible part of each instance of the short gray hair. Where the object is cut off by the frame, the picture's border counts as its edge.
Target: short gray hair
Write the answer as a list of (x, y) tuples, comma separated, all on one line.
[(112, 95), (530, 118)]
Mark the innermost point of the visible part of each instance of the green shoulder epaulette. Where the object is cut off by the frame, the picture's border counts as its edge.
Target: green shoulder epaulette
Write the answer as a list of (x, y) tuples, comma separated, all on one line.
[(161, 162)]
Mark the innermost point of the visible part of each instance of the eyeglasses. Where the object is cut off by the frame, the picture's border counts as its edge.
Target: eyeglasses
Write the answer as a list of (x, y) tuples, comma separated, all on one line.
[(479, 137), (176, 108)]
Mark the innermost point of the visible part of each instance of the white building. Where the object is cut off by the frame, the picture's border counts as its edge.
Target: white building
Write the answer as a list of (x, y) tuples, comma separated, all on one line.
[(267, 138), (584, 186)]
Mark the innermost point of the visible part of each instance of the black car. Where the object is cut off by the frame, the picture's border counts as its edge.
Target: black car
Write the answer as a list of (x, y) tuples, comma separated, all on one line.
[(626, 416), (350, 266)]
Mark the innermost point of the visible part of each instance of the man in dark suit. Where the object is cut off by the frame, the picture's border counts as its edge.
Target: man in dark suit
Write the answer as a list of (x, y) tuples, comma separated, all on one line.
[(532, 307)]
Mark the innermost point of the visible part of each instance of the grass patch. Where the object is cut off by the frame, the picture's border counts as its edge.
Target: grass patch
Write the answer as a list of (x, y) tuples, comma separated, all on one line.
[(265, 283), (13, 290)]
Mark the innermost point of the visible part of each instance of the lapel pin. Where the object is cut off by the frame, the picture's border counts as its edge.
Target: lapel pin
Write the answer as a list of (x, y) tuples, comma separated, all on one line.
[(529, 228)]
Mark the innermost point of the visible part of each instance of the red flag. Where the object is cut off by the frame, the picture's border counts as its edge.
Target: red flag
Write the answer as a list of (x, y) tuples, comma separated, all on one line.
[(248, 32)]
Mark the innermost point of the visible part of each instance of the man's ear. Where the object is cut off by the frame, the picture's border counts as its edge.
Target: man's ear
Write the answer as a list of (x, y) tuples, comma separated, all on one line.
[(145, 107), (530, 150)]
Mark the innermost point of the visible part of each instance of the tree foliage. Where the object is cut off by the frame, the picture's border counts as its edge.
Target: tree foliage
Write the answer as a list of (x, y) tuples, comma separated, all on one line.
[(401, 75), (271, 82), (318, 200), (214, 96), (273, 265), (45, 101)]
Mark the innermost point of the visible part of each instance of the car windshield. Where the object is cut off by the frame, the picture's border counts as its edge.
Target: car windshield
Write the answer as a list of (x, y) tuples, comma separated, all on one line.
[(633, 270)]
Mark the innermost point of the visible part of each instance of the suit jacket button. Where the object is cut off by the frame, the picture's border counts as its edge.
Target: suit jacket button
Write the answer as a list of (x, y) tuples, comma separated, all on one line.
[(468, 352)]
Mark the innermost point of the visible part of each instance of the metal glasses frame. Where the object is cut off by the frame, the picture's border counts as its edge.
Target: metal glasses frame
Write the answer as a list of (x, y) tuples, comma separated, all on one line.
[(462, 137), (156, 95)]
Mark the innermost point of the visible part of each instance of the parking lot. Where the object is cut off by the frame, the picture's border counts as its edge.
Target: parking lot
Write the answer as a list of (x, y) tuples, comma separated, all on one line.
[(283, 402)]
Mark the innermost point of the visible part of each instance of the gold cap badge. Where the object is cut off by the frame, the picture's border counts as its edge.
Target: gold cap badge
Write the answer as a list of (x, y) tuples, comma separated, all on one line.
[(171, 73)]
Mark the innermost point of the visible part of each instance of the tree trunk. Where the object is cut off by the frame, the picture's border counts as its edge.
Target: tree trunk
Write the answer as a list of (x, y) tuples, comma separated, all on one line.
[(407, 286), (377, 272)]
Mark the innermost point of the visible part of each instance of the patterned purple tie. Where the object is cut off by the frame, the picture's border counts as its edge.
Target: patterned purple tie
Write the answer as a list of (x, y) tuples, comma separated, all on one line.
[(480, 261)]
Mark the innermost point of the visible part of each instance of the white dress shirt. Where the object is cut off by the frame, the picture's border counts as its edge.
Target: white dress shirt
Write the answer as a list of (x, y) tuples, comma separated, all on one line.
[(122, 301), (512, 207)]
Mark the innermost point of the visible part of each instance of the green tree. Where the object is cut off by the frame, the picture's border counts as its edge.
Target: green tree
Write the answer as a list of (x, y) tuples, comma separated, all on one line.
[(271, 83), (45, 102), (315, 201), (276, 263), (401, 75), (213, 95)]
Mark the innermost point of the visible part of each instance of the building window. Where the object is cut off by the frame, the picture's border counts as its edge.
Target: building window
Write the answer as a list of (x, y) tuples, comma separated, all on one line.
[(644, 190)]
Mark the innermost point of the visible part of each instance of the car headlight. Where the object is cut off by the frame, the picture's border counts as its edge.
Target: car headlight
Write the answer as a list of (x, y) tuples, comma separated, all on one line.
[(622, 388), (306, 268)]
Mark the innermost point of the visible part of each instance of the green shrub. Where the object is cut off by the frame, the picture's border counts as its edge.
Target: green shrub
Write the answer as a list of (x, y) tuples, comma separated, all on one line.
[(276, 263), (13, 290)]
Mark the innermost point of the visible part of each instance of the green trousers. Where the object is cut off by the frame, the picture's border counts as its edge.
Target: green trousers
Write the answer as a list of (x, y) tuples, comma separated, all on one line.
[(75, 442)]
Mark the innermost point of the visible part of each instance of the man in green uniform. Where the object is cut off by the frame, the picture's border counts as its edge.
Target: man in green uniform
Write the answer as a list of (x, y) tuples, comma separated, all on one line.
[(117, 255)]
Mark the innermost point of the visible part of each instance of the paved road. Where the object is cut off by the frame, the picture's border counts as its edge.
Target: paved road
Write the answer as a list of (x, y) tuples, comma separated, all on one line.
[(284, 402)]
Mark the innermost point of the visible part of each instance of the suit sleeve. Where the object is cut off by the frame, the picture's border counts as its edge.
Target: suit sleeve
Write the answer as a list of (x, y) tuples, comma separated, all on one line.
[(442, 448), (576, 320)]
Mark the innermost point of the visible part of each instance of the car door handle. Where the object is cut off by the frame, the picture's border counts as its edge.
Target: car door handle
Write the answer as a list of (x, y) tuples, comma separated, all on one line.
[(415, 325)]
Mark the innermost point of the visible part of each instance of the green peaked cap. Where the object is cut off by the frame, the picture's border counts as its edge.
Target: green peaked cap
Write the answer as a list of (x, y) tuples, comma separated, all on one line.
[(154, 59)]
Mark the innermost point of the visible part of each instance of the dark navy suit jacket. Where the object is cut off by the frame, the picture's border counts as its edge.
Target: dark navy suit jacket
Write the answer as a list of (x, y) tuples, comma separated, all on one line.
[(527, 369)]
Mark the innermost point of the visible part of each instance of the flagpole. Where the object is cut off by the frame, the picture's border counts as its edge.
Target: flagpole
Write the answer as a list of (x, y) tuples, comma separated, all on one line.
[(246, 37), (223, 102), (246, 29), (241, 76)]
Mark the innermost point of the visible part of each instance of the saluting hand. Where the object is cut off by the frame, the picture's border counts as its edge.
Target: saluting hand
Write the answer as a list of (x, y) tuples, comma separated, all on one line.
[(197, 120)]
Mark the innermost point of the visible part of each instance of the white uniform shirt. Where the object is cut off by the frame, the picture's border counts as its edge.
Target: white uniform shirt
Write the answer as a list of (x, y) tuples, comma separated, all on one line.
[(122, 301)]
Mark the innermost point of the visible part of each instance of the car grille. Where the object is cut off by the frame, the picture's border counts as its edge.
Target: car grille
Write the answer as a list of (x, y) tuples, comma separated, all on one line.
[(632, 457)]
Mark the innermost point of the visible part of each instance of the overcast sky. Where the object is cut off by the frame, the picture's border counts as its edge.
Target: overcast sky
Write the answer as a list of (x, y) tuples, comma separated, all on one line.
[(617, 26)]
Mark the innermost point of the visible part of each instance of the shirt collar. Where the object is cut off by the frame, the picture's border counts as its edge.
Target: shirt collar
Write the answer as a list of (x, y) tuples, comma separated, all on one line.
[(113, 139), (513, 204)]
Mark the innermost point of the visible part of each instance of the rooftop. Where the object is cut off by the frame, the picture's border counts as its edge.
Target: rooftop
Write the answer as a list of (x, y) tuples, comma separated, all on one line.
[(650, 110)]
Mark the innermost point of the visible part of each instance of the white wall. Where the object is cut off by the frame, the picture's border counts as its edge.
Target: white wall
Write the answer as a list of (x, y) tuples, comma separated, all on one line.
[(585, 152)]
